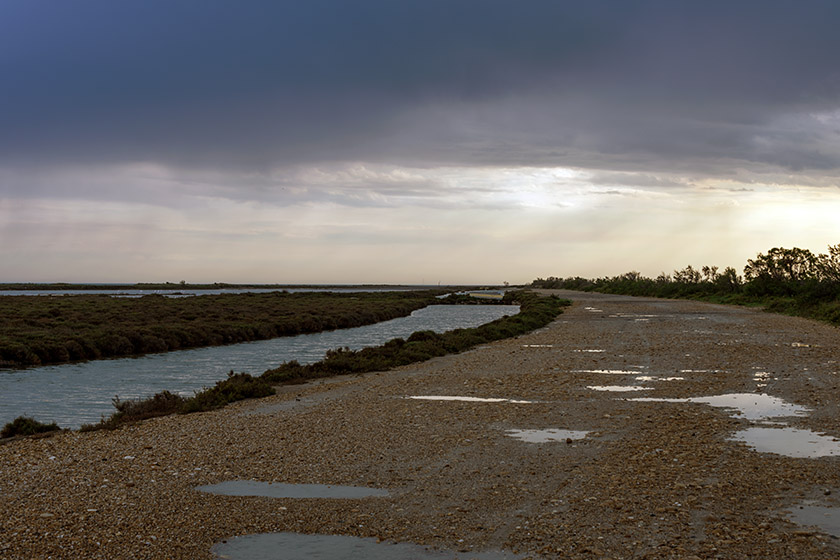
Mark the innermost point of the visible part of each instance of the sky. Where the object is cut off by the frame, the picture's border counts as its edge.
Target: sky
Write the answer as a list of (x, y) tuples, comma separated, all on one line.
[(421, 142)]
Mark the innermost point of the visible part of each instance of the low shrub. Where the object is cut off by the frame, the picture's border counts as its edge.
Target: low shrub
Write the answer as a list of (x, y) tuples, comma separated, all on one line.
[(535, 312), (159, 405), (25, 426), (128, 411), (237, 387)]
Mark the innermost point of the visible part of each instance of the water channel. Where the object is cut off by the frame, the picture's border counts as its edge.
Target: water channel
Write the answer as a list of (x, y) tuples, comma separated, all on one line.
[(76, 394)]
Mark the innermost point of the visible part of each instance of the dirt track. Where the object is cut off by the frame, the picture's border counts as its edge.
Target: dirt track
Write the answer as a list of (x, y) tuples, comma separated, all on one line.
[(650, 480)]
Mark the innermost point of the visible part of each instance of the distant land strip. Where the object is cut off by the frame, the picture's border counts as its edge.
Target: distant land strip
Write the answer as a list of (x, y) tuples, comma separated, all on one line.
[(60, 286)]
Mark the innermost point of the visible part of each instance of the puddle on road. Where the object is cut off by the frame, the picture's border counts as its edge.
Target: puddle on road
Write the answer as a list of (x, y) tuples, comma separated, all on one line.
[(594, 310), (618, 388), (827, 519), (295, 546), (281, 490), (751, 406), (778, 439), (590, 350), (548, 435), (609, 371), (537, 346), (638, 317), (654, 378), (790, 442), (467, 399)]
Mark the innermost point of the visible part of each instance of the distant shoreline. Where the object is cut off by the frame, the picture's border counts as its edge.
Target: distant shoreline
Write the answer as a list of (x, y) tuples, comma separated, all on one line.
[(25, 286)]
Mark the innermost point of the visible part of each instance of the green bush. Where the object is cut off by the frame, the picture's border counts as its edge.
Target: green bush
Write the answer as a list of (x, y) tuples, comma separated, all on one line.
[(129, 411), (535, 312), (237, 387), (25, 426)]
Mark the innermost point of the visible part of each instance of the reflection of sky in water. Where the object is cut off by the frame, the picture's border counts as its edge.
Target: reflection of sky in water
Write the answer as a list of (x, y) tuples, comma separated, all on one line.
[(790, 442), (545, 436), (468, 399), (281, 490), (608, 371), (751, 406), (294, 546), (826, 518), (617, 388), (778, 439)]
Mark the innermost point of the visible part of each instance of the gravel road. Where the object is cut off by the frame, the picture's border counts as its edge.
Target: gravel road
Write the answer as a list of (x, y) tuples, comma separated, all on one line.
[(647, 478)]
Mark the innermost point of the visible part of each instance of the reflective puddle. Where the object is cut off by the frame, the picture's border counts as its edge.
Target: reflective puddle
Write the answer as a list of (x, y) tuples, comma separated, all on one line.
[(609, 371), (751, 406), (827, 519), (654, 378), (790, 442), (467, 399), (781, 440), (537, 346), (639, 317), (281, 490), (295, 546), (548, 435), (591, 350), (618, 388)]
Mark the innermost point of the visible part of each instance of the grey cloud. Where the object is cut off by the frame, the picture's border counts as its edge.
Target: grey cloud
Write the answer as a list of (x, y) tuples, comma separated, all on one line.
[(645, 180), (689, 87)]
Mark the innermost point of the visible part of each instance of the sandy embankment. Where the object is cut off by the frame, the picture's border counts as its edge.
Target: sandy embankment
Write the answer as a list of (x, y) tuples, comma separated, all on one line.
[(650, 480)]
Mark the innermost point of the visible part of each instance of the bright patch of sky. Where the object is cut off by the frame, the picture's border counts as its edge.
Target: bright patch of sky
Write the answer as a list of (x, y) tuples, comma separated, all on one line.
[(375, 223)]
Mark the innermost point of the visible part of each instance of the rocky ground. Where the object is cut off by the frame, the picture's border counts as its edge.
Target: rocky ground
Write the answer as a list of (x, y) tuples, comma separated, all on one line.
[(649, 480)]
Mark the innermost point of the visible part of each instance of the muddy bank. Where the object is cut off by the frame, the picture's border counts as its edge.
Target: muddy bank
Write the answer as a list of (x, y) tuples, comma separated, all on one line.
[(654, 472)]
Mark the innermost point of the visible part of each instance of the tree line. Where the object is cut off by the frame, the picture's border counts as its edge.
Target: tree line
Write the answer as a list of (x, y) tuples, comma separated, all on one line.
[(794, 281)]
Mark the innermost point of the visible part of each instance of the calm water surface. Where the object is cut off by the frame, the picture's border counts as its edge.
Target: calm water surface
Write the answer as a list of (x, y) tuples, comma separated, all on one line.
[(76, 394)]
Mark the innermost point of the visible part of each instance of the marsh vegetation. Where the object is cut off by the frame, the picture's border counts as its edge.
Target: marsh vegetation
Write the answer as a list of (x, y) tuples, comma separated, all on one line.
[(535, 312), (40, 330)]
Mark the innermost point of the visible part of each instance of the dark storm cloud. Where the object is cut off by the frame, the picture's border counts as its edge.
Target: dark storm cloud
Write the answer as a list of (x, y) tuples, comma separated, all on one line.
[(603, 84)]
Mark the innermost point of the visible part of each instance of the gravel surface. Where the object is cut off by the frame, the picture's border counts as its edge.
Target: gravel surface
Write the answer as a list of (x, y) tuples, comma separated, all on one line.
[(648, 480)]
